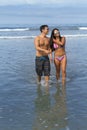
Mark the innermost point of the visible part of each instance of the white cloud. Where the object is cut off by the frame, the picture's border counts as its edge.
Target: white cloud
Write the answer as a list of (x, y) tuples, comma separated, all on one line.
[(12, 2), (65, 2)]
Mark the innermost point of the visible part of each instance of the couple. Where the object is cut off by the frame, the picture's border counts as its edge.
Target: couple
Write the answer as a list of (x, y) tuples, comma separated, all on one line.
[(44, 48)]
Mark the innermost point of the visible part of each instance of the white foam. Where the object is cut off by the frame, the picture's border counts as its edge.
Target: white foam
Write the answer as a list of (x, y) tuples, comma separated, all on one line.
[(67, 128), (56, 125), (82, 28), (60, 80), (43, 82), (15, 29), (31, 37), (16, 37), (67, 79), (76, 35)]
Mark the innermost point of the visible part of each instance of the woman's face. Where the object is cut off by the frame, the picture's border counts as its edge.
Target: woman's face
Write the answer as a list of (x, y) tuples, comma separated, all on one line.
[(56, 33)]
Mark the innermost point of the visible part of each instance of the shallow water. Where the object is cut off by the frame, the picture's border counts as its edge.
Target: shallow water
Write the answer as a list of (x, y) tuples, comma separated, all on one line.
[(26, 106)]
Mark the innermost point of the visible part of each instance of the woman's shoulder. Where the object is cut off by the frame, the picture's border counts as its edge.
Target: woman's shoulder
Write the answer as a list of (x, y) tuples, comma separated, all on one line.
[(63, 37)]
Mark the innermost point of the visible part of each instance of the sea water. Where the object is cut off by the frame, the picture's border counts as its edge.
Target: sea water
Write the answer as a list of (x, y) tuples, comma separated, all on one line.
[(24, 105)]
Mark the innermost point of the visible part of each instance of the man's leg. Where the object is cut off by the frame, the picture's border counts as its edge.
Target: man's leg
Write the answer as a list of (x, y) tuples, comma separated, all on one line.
[(47, 78), (47, 71), (38, 79), (38, 65)]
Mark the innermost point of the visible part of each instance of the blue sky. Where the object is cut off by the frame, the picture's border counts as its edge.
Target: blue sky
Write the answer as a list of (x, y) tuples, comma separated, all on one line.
[(57, 11), (59, 2)]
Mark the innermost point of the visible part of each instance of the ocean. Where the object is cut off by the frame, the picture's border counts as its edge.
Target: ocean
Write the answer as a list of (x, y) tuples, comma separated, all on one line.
[(23, 104)]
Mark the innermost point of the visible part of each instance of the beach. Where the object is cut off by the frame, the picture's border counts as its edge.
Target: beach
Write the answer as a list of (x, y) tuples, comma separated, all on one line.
[(26, 106)]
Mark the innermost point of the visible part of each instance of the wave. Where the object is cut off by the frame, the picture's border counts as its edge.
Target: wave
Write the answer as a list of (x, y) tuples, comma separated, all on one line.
[(76, 35), (13, 29), (17, 37), (31, 37), (61, 27), (82, 28)]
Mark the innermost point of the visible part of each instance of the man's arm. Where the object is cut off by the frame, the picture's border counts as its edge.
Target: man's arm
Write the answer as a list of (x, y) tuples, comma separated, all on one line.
[(50, 55)]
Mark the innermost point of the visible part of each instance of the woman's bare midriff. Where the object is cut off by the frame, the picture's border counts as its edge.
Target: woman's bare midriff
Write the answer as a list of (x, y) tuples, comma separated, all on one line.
[(59, 52)]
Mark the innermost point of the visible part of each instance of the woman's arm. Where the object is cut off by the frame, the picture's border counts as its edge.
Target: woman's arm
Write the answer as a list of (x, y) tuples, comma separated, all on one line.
[(62, 42)]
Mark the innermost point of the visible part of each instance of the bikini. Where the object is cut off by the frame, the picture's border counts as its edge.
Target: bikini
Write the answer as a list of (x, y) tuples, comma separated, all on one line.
[(59, 58)]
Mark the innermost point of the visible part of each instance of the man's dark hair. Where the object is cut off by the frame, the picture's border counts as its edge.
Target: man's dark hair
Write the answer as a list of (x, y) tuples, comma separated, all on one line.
[(43, 27)]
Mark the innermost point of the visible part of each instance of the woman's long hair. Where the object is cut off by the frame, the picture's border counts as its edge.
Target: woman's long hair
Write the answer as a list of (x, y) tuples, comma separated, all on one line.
[(53, 37)]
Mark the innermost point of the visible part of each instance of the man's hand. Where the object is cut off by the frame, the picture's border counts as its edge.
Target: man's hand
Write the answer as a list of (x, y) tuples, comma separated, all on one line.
[(47, 51)]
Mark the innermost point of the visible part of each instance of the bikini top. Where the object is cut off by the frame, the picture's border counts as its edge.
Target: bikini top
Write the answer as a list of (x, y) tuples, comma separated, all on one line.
[(56, 46)]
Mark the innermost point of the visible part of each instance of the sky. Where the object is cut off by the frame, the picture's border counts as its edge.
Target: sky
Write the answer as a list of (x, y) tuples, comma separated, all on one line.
[(27, 14), (60, 2)]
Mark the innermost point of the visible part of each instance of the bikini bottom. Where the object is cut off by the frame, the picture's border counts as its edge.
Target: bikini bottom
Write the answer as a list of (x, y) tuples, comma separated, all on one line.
[(59, 58)]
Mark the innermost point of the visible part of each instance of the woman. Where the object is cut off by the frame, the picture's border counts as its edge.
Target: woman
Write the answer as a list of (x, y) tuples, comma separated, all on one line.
[(57, 44)]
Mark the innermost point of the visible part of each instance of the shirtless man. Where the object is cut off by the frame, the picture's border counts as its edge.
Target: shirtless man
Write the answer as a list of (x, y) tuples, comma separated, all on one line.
[(42, 62)]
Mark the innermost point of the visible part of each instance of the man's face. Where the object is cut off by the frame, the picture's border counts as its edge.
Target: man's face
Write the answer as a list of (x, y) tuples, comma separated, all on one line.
[(46, 30)]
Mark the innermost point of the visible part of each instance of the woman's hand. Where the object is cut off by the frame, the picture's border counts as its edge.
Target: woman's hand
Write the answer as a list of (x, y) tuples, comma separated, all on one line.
[(56, 41), (51, 58)]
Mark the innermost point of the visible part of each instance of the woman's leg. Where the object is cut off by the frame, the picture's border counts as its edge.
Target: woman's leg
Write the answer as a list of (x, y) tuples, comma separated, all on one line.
[(57, 66), (63, 67)]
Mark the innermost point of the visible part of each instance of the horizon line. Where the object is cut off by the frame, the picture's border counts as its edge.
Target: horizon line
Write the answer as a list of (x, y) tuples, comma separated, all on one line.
[(46, 5)]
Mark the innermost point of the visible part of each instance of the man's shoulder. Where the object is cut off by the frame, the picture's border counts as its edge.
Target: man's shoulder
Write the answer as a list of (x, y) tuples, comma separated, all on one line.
[(48, 38), (37, 37)]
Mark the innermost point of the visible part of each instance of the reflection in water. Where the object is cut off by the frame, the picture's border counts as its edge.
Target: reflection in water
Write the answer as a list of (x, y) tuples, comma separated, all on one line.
[(51, 116), (42, 102)]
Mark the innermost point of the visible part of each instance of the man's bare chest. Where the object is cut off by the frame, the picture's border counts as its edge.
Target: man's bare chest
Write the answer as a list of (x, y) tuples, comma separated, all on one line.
[(43, 43)]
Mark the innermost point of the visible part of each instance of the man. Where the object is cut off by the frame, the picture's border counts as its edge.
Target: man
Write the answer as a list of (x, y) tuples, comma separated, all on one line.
[(42, 61)]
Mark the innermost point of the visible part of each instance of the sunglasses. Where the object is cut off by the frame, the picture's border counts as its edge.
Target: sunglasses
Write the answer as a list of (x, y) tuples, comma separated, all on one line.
[(47, 28), (56, 32)]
